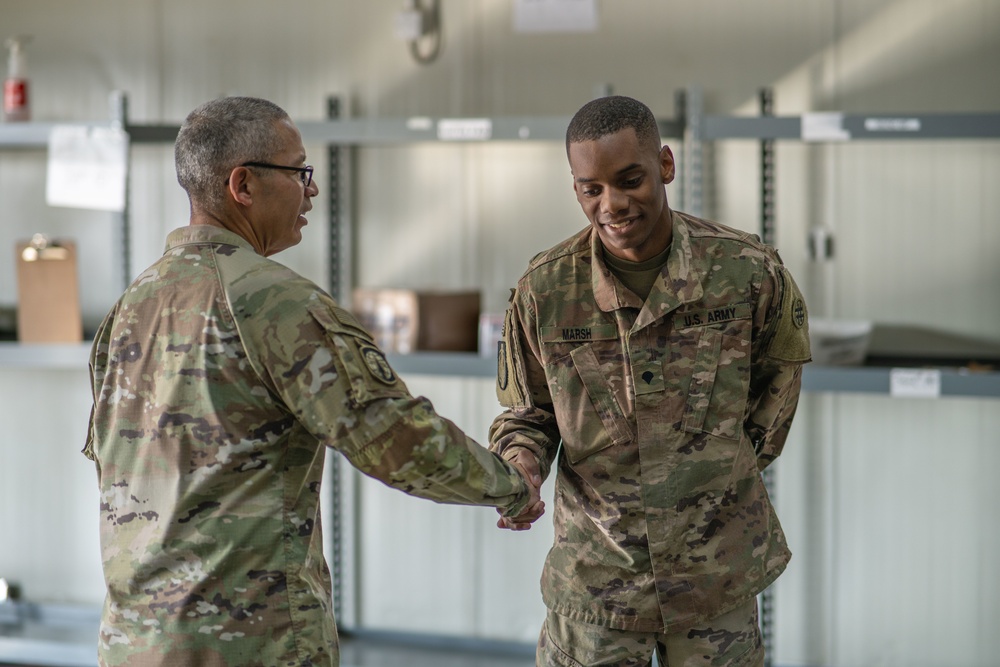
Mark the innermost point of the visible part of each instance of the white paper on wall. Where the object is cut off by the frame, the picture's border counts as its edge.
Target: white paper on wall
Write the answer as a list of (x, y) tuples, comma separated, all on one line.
[(87, 167), (555, 16)]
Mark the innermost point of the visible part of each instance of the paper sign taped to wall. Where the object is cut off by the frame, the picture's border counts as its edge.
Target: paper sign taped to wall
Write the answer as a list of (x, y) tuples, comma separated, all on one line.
[(555, 15), (87, 167)]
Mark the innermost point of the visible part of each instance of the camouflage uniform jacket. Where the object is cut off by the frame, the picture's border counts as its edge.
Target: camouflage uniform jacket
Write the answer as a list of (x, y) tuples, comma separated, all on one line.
[(666, 411), (219, 378)]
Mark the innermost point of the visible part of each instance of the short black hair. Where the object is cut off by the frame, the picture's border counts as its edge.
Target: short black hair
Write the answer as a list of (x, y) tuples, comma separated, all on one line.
[(607, 115)]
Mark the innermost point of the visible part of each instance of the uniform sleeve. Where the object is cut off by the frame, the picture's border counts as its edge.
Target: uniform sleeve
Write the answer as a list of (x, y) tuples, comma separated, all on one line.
[(778, 356), (529, 420), (325, 368), (98, 366)]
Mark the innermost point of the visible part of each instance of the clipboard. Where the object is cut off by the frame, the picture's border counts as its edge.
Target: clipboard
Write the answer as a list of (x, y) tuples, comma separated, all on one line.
[(48, 293)]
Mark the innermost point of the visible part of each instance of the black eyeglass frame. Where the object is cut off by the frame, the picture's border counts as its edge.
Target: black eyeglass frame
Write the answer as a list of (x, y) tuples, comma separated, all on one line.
[(306, 172)]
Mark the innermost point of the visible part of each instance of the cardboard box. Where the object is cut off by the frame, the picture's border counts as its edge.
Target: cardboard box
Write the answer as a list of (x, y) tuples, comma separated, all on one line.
[(403, 320), (48, 293)]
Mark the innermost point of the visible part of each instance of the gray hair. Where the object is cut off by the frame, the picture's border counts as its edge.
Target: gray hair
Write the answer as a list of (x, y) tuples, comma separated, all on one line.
[(608, 115), (220, 135)]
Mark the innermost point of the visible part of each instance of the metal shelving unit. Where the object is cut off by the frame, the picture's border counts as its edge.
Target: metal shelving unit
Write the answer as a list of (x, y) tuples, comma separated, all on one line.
[(695, 127), (838, 128), (691, 124), (414, 129), (31, 136), (955, 382), (854, 127), (58, 357)]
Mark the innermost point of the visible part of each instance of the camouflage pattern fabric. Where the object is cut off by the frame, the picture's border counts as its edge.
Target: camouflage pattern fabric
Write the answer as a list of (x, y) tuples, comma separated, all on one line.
[(218, 379), (731, 640), (666, 410)]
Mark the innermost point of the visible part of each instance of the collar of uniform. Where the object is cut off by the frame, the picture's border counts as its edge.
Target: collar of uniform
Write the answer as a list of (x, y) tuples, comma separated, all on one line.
[(678, 283), (205, 234), (609, 293)]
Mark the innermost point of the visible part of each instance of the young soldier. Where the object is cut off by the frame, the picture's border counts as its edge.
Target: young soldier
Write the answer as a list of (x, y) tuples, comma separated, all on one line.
[(664, 353)]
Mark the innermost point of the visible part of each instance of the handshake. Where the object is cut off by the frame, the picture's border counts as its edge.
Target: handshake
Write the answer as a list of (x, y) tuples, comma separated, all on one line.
[(527, 465)]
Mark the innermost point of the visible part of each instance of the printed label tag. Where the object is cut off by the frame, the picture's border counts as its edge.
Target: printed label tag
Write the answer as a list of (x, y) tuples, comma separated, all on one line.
[(465, 129), (914, 383)]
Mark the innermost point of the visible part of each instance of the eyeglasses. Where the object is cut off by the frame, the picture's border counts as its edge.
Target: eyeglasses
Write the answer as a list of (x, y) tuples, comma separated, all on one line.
[(305, 173)]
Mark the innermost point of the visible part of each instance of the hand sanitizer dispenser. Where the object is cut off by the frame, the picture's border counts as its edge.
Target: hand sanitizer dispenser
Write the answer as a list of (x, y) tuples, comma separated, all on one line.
[(16, 107)]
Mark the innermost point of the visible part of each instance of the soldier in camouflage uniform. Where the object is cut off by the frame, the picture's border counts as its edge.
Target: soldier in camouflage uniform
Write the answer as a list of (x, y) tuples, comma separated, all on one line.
[(663, 352), (219, 378)]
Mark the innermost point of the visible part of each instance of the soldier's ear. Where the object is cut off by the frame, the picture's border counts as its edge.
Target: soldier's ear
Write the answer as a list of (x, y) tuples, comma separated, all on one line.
[(667, 168), (240, 185)]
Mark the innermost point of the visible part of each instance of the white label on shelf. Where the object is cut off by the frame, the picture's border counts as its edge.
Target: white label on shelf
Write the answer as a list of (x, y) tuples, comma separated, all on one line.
[(419, 124), (86, 167), (915, 383), (892, 124), (465, 129), (824, 127), (555, 16)]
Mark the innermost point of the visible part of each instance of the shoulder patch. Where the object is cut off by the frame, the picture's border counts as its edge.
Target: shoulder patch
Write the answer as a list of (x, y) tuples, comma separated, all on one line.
[(799, 312), (359, 359), (334, 318), (377, 365), (511, 389), (790, 340), (503, 375)]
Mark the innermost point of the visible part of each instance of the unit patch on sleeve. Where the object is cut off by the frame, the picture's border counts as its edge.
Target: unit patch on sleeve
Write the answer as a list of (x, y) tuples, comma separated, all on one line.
[(790, 338), (503, 375), (799, 312), (377, 365), (511, 389)]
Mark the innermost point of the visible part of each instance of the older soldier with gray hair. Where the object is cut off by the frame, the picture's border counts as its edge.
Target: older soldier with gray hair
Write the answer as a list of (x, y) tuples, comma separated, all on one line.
[(219, 378), (664, 353)]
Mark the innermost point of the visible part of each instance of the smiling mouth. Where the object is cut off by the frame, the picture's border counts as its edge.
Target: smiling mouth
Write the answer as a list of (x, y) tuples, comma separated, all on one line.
[(619, 225)]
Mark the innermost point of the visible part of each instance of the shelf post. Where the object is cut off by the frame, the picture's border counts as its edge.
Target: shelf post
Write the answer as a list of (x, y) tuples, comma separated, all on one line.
[(693, 158), (118, 101), (336, 253), (767, 235)]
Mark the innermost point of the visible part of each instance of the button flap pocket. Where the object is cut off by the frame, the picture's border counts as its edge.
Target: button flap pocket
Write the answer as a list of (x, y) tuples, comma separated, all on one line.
[(614, 428)]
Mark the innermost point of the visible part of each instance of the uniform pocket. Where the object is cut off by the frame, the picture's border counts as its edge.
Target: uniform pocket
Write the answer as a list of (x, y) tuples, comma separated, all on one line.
[(582, 435), (717, 394)]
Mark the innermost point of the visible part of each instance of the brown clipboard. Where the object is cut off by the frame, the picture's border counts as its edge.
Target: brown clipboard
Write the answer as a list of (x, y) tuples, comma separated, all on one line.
[(48, 293)]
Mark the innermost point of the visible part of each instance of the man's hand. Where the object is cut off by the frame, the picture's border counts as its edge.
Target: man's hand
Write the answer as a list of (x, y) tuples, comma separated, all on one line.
[(527, 465)]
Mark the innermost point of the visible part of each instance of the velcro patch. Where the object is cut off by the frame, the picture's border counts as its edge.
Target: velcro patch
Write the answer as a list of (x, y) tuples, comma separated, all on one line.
[(790, 341), (579, 333), (377, 364), (512, 391), (362, 362), (710, 316)]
